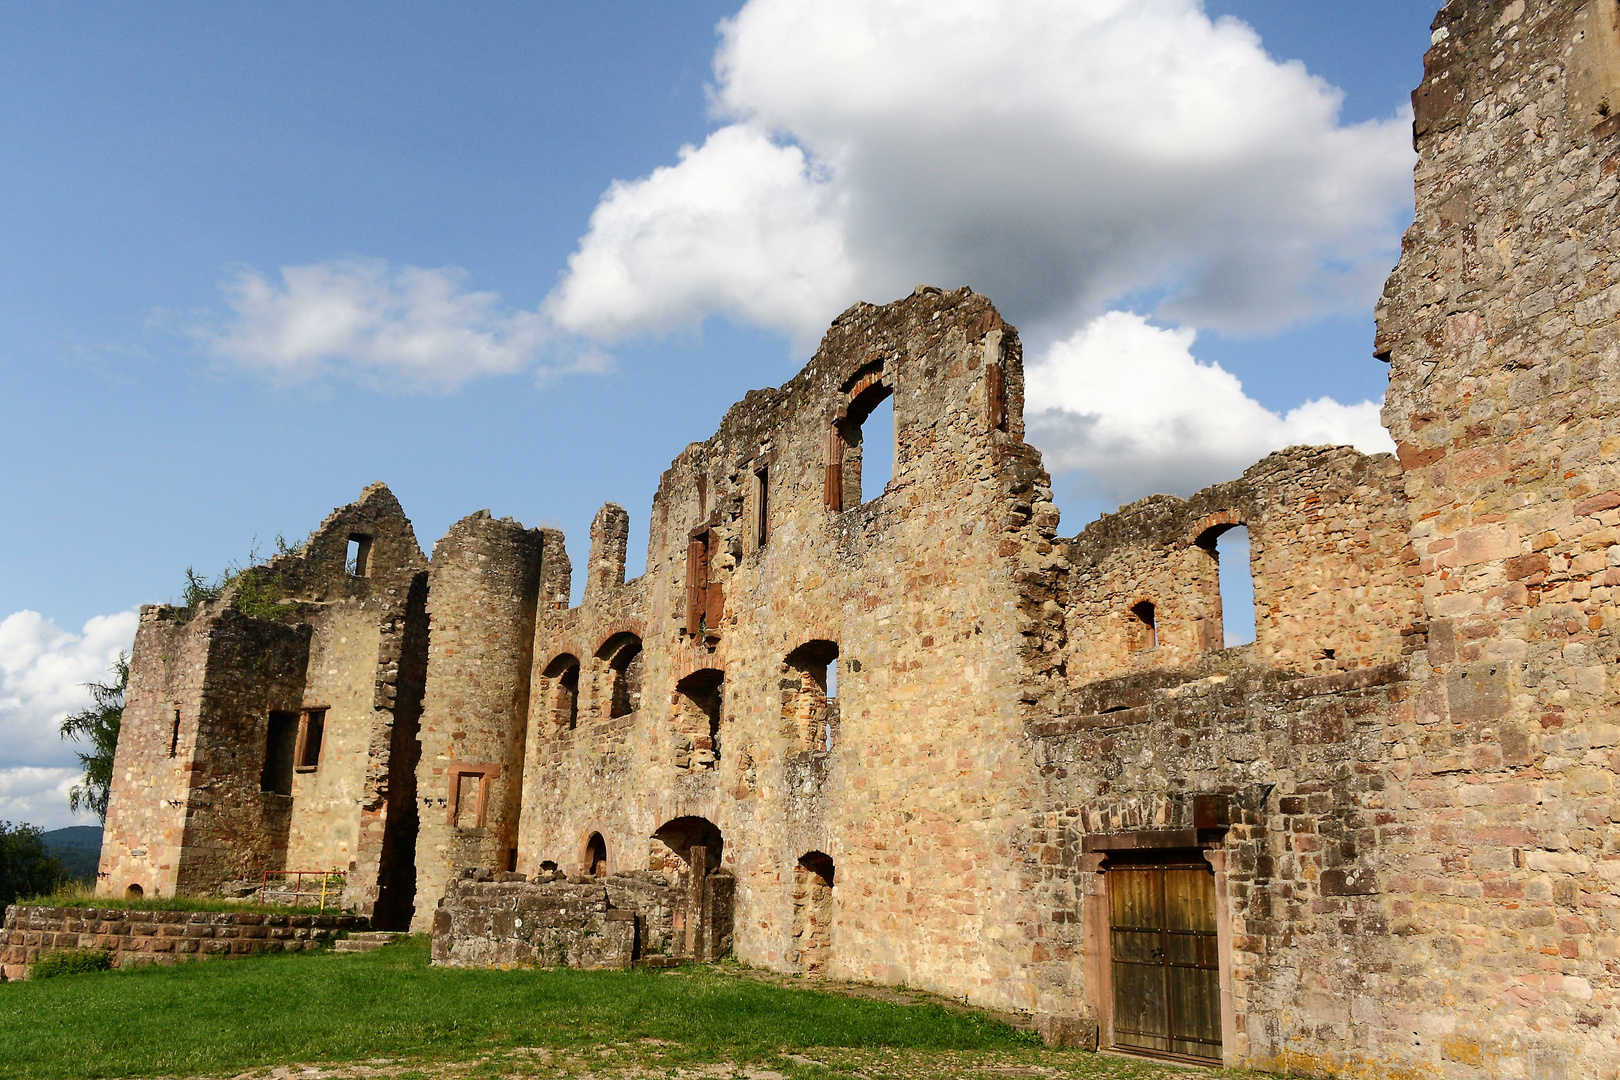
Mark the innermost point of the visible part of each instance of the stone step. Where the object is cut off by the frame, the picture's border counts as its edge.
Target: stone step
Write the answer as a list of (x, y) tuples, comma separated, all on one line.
[(660, 961), (365, 942)]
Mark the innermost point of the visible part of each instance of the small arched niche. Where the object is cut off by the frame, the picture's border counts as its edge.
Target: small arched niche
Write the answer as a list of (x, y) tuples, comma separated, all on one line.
[(562, 691), (811, 948), (134, 891), (695, 720), (622, 661), (1228, 545), (809, 694), (596, 859), (679, 836)]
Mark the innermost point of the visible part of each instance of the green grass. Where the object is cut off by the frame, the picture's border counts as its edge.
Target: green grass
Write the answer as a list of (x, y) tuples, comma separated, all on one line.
[(223, 1017)]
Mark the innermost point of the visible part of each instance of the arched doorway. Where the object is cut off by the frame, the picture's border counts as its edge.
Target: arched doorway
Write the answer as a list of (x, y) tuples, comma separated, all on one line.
[(811, 950), (596, 860)]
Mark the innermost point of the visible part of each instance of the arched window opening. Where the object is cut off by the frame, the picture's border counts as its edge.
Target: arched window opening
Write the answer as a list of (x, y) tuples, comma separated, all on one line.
[(679, 836), (811, 948), (696, 720), (134, 892), (622, 652), (861, 449), (562, 676), (1237, 586), (1228, 545), (1144, 626), (596, 864), (809, 695)]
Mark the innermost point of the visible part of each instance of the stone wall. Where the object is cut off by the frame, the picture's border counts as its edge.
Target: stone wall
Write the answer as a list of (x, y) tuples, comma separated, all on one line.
[(917, 799), (1499, 325), (160, 937), (307, 634), (557, 921), (482, 596)]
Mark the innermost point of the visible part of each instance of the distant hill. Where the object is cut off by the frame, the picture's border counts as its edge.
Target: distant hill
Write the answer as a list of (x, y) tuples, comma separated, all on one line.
[(78, 847)]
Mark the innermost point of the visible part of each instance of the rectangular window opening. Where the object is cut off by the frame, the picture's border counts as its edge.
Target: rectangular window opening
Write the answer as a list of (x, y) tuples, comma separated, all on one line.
[(174, 736), (358, 560), (311, 734), (762, 506), (281, 733)]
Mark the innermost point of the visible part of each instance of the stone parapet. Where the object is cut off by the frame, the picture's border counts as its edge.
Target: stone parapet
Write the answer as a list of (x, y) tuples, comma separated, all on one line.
[(554, 921), (161, 937)]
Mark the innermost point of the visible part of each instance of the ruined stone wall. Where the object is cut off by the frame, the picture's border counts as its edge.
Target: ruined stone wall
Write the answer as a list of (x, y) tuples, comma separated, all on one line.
[(554, 921), (1500, 328), (304, 632), (1328, 569), (483, 590), (152, 766), (918, 798), (139, 938), (234, 829)]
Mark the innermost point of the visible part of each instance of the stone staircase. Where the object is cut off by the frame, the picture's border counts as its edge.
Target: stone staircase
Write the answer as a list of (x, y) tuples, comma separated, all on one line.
[(365, 942)]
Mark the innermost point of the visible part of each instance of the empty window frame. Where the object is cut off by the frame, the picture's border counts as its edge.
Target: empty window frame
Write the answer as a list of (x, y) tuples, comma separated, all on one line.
[(174, 736), (695, 739), (562, 690), (469, 795), (311, 737), (358, 559), (762, 506), (809, 694), (1228, 546), (1144, 626), (623, 658), (281, 735), (861, 449), (705, 597)]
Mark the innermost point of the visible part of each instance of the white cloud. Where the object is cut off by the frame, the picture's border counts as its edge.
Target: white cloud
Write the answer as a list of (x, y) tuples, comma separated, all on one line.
[(38, 796), (406, 326), (740, 227), (1055, 155), (1126, 405), (43, 669)]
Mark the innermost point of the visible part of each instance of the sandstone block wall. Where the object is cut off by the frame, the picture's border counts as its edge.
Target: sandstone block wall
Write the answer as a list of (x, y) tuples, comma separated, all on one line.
[(916, 800), (482, 596), (556, 921), (160, 937), (1499, 325), (345, 642)]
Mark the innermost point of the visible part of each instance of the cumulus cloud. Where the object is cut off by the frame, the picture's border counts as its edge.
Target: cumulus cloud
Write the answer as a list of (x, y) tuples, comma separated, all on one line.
[(43, 669), (1057, 156), (1125, 404), (399, 326)]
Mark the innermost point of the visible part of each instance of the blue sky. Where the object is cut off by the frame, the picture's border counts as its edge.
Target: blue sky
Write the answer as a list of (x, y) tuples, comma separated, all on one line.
[(165, 161)]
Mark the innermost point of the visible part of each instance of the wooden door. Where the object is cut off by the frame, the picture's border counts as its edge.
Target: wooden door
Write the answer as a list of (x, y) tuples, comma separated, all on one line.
[(1167, 998)]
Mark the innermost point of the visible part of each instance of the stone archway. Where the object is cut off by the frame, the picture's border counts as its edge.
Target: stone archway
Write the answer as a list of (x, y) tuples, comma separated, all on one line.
[(811, 950)]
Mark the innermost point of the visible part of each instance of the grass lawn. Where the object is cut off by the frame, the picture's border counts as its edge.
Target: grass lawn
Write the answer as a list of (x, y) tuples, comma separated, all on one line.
[(387, 1013)]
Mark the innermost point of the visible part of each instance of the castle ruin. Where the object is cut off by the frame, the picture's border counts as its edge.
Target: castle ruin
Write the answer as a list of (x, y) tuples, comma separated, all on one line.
[(916, 736)]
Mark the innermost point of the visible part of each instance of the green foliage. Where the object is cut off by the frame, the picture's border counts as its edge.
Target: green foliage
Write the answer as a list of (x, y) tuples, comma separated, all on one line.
[(224, 1017), (78, 847), (26, 867), (55, 962), (98, 725), (258, 591)]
